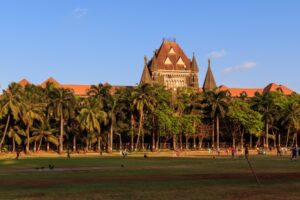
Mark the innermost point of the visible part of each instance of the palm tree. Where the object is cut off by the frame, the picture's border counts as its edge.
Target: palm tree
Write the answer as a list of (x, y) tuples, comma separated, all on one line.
[(291, 118), (61, 106), (266, 106), (44, 133), (102, 92), (90, 118), (142, 100), (32, 110), (218, 104), (10, 108), (15, 133)]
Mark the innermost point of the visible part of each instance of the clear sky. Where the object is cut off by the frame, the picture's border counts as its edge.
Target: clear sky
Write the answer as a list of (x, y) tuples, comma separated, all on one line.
[(251, 43)]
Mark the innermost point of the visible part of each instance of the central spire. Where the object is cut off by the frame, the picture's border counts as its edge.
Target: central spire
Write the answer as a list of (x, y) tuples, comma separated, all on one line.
[(209, 82)]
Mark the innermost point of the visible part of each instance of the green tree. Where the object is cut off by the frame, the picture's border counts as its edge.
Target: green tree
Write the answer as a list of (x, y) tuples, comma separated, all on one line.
[(43, 132), (291, 118), (142, 100), (61, 106), (243, 119), (217, 104), (15, 133), (10, 108), (33, 110), (265, 104), (90, 118)]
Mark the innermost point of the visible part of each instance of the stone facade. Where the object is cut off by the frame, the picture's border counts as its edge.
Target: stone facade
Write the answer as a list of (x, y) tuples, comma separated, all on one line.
[(171, 67)]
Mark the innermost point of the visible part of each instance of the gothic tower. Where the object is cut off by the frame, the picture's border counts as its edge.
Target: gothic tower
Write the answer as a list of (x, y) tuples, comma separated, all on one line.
[(171, 67)]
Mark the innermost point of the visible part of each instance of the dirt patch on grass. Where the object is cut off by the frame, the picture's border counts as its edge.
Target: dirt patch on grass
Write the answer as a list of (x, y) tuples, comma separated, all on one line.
[(98, 179)]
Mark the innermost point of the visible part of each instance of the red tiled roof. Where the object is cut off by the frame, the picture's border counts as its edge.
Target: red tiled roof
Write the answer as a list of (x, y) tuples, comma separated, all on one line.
[(163, 53), (80, 90), (24, 82), (236, 92), (273, 87), (49, 80)]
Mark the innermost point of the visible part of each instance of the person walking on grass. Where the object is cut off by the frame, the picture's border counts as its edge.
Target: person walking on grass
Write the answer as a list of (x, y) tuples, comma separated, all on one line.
[(233, 150), (294, 153), (247, 152)]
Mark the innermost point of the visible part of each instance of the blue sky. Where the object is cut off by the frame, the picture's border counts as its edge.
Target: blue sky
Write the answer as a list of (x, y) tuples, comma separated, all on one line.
[(251, 43)]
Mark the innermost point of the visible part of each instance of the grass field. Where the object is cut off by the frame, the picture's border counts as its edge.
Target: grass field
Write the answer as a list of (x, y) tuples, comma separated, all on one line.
[(151, 178)]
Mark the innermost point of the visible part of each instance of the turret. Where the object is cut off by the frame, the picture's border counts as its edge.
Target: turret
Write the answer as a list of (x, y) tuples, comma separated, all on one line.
[(209, 82)]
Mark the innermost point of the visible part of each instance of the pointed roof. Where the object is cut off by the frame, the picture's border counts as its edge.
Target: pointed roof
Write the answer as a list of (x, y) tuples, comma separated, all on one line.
[(194, 64), (273, 87), (49, 80), (209, 82), (171, 52), (24, 82), (153, 65), (146, 78)]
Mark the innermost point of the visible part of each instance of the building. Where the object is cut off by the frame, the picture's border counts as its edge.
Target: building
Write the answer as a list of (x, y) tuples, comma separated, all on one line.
[(171, 67)]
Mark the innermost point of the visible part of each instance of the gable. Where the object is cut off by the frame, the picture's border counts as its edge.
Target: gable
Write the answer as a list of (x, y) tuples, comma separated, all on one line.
[(172, 51), (180, 61), (168, 61)]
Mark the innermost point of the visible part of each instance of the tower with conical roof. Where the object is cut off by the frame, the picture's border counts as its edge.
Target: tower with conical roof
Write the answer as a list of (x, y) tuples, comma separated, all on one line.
[(171, 67), (209, 82), (146, 77), (195, 71)]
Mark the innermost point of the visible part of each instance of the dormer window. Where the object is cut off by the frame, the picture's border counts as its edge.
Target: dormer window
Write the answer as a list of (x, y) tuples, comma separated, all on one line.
[(171, 51), (180, 61), (168, 61)]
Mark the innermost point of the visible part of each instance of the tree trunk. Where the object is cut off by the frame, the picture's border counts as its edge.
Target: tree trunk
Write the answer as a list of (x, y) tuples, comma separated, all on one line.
[(139, 131), (258, 142), (61, 137), (287, 136), (143, 139), (294, 137), (174, 142), (180, 140), (233, 141), (157, 142), (110, 146), (213, 134), (153, 134), (35, 147), (27, 142), (194, 141), (267, 135), (200, 143), (279, 140), (132, 132), (48, 146), (250, 145), (40, 144), (242, 140), (186, 141), (99, 143), (14, 144), (5, 132), (86, 145), (218, 133), (74, 143)]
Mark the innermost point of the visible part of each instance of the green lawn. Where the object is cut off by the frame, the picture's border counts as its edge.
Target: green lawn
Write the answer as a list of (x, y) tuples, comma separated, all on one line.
[(152, 178)]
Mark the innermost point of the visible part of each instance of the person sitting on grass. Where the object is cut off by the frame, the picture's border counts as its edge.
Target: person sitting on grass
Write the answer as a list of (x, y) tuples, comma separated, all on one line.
[(294, 153)]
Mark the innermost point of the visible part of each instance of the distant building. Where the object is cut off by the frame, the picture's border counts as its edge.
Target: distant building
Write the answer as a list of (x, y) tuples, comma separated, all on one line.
[(171, 67)]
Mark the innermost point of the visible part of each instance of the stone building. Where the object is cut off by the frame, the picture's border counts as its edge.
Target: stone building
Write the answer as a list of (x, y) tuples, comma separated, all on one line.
[(171, 67)]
